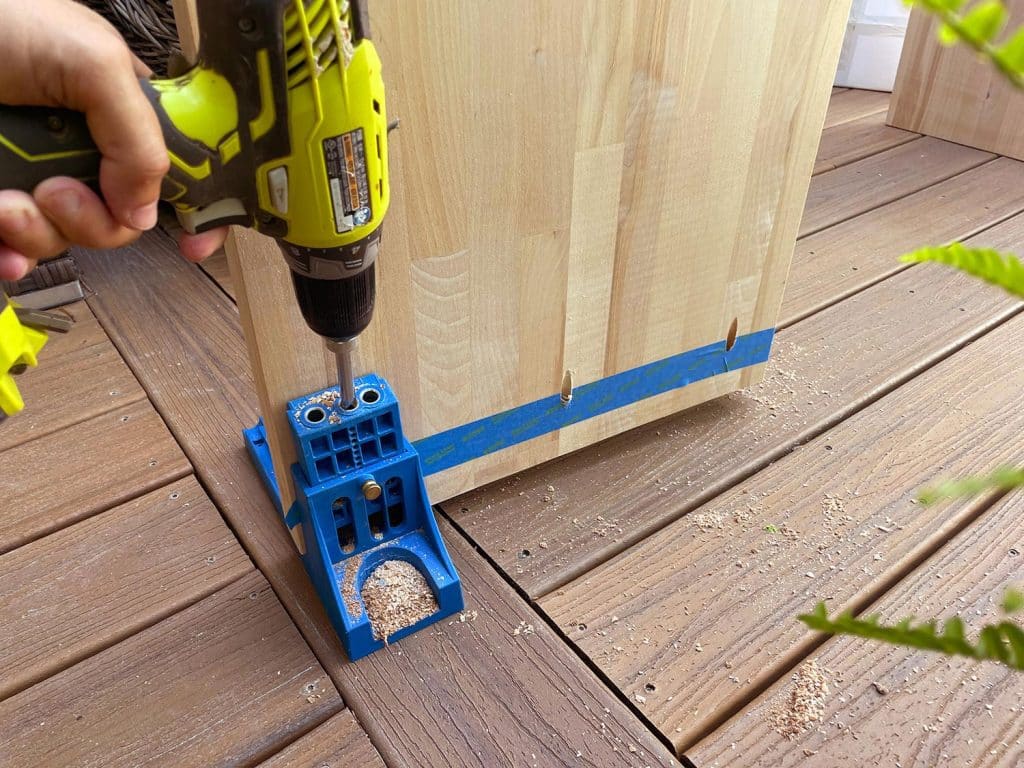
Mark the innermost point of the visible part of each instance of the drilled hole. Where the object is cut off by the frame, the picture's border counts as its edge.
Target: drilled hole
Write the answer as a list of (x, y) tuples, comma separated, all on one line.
[(730, 338), (524, 553), (581, 627), (650, 687)]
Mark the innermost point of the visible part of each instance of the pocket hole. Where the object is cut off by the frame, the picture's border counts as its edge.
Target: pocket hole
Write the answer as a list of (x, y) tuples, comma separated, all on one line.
[(730, 338)]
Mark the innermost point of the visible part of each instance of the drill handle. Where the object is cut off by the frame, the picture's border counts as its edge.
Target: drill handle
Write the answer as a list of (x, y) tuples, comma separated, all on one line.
[(37, 143)]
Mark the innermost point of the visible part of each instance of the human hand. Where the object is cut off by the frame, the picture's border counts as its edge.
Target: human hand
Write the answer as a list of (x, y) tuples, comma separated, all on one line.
[(59, 53)]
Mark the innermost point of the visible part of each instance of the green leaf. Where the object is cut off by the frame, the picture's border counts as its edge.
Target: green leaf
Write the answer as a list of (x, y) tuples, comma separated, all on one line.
[(1015, 637), (983, 21), (1002, 479), (1003, 642), (1013, 601), (947, 36), (1011, 54), (936, 5), (771, 528), (1002, 269)]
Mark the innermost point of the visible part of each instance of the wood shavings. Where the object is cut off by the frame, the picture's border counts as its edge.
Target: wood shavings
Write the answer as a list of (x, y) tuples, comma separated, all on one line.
[(396, 596), (708, 521), (523, 629), (464, 617), (832, 505), (805, 704)]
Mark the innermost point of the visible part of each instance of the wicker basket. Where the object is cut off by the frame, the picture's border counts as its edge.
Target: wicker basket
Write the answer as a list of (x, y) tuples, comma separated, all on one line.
[(146, 25)]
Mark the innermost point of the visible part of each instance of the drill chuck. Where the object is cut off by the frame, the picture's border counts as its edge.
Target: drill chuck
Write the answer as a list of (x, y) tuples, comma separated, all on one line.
[(337, 309)]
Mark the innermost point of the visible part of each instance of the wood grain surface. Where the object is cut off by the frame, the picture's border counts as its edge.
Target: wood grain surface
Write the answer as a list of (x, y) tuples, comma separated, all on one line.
[(80, 590), (852, 255), (700, 616), (555, 522), (848, 142), (951, 93), (65, 476), (225, 682), (80, 375), (870, 183), (338, 743), (889, 706), (571, 189), (464, 695), (854, 104)]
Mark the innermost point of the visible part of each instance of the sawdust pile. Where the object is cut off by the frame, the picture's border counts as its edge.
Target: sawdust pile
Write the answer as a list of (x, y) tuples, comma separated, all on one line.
[(348, 588), (396, 596), (805, 704)]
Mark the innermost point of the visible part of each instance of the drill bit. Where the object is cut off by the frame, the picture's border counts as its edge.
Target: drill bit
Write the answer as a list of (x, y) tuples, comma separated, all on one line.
[(343, 349)]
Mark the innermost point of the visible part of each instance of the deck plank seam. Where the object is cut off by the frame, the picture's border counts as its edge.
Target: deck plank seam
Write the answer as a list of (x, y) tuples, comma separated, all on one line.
[(740, 476), (584, 659), (117, 639), (114, 502), (858, 605), (201, 480), (898, 267), (992, 158)]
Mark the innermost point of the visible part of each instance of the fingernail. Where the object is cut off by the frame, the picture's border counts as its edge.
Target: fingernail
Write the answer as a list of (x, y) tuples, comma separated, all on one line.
[(65, 203), (143, 217), (15, 217)]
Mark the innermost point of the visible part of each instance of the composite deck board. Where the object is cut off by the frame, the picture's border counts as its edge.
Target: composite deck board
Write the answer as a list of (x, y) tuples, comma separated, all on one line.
[(338, 743), (847, 142), (551, 524), (848, 257), (82, 589), (455, 695), (56, 480), (80, 375), (889, 706), (859, 187), (854, 104), (227, 681), (217, 268), (704, 609)]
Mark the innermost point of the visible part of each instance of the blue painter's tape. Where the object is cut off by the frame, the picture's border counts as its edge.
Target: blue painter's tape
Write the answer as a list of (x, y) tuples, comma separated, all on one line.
[(517, 425)]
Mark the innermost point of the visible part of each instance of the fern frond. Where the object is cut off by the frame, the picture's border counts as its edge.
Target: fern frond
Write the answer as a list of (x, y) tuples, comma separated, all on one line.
[(1002, 642), (1002, 269), (1013, 601), (1002, 479), (977, 27)]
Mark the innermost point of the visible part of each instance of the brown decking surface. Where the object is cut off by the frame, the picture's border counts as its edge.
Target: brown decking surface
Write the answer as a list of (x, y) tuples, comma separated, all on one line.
[(154, 613)]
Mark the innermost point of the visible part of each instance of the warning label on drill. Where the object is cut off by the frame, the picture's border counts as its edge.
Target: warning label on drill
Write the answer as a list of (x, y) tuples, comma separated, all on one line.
[(345, 158)]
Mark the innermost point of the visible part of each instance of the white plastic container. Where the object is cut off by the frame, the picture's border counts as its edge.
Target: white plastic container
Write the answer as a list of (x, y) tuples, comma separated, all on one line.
[(872, 46)]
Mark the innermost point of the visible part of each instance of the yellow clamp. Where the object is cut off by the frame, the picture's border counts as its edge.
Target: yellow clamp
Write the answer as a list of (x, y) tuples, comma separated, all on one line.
[(19, 345)]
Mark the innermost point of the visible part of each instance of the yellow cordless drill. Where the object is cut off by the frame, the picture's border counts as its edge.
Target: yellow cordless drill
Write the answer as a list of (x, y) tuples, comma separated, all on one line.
[(280, 126)]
